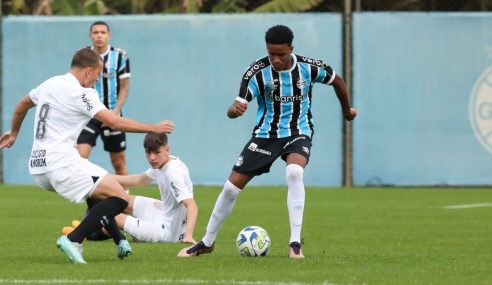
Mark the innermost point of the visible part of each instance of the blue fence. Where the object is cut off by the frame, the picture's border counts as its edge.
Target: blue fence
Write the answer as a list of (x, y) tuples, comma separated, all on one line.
[(422, 86)]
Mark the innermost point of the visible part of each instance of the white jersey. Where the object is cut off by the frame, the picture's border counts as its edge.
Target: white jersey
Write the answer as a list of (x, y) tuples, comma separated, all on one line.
[(175, 186), (63, 108)]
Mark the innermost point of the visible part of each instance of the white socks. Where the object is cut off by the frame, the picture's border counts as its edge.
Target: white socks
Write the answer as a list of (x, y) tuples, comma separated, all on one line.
[(222, 209), (295, 199)]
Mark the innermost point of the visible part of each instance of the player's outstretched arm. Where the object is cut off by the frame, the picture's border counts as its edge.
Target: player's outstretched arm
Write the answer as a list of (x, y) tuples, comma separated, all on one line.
[(237, 109), (341, 90), (129, 125), (191, 216), (21, 109), (133, 180)]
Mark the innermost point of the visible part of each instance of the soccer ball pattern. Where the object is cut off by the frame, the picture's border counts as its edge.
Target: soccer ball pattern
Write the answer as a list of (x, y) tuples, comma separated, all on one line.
[(253, 241)]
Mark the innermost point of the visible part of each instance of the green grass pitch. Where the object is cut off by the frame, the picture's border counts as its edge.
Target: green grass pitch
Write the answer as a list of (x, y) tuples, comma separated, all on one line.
[(352, 236)]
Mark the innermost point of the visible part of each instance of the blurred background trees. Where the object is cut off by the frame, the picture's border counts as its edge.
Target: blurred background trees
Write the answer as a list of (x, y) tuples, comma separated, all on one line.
[(100, 7)]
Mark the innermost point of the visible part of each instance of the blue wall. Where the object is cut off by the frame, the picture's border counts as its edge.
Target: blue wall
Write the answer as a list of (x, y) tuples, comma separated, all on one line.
[(424, 92), (184, 68), (422, 86)]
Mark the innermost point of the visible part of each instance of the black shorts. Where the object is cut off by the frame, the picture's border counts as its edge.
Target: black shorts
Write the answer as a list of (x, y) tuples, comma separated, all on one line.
[(114, 141), (259, 154)]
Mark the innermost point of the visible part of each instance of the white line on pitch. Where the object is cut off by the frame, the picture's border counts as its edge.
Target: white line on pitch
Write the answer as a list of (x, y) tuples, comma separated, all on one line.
[(156, 281), (467, 206)]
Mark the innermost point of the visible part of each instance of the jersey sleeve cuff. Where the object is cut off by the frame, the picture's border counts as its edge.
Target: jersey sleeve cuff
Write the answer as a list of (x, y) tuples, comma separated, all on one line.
[(242, 100), (332, 77), (126, 75)]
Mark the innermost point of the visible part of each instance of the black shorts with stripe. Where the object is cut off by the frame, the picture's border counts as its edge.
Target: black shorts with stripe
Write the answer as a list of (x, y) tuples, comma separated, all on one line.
[(114, 141), (259, 154)]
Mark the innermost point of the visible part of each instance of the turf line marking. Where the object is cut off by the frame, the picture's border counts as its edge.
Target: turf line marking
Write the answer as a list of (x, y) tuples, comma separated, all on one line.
[(468, 206), (156, 281)]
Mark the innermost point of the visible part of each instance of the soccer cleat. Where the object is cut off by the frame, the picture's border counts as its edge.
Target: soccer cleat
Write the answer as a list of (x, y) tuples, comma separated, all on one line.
[(71, 249), (196, 250), (295, 250), (69, 229), (124, 249)]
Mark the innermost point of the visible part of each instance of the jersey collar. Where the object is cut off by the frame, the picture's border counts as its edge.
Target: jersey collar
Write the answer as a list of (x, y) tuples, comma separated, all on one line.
[(292, 66)]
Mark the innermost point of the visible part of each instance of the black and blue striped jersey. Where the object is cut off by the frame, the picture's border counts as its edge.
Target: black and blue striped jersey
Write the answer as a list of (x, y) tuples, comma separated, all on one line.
[(116, 66), (284, 97)]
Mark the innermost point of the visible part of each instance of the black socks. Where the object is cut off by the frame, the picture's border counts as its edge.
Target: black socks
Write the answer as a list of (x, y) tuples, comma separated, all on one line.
[(100, 214)]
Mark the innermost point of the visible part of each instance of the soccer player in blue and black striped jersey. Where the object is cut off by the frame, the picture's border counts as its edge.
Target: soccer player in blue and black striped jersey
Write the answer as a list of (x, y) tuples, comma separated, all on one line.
[(113, 87), (281, 83)]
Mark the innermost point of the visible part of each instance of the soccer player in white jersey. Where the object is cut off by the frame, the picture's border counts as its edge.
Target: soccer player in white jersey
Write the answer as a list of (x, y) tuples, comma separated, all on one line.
[(171, 219), (282, 84), (64, 104)]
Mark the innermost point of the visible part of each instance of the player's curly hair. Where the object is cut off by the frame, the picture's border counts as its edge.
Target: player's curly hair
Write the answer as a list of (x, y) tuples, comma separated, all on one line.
[(278, 35), (152, 141)]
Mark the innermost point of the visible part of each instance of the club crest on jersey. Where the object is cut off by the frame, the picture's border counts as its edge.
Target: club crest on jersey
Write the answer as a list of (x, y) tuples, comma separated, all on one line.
[(270, 87), (301, 84)]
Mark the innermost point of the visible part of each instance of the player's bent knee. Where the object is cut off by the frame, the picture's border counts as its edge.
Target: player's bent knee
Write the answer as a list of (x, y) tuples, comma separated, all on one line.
[(230, 190), (294, 172)]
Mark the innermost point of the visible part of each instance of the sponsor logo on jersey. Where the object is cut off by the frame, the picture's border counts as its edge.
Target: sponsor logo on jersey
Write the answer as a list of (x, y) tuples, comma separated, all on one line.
[(480, 109), (271, 86), (87, 102), (313, 61), (175, 190), (38, 158), (253, 69)]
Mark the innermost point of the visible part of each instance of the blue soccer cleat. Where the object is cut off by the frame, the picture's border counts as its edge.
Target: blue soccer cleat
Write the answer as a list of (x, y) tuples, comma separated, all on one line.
[(71, 249), (124, 249)]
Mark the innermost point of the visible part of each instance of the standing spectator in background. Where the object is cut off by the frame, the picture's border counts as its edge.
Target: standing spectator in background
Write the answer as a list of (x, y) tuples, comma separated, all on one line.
[(112, 86)]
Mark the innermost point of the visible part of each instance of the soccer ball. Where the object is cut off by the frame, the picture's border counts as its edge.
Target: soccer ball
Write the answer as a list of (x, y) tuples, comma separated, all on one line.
[(253, 241)]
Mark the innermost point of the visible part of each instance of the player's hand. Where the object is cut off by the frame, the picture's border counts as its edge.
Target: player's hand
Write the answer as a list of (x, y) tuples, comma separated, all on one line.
[(237, 109), (350, 116), (7, 140), (189, 240), (165, 127)]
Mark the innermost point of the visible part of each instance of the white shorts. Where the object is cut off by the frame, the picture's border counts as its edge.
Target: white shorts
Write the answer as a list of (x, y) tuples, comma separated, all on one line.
[(146, 223), (75, 182)]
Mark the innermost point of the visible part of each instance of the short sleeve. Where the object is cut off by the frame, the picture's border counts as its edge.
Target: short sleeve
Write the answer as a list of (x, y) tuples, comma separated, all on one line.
[(176, 182), (89, 102), (151, 173), (34, 95), (124, 66)]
